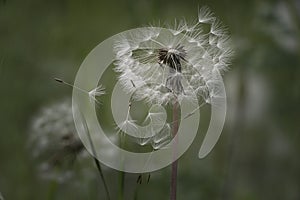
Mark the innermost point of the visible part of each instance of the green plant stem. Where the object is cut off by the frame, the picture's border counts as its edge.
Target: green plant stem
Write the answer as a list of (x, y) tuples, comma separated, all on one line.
[(173, 189), (97, 161), (121, 185), (135, 197), (52, 190), (102, 177), (121, 173)]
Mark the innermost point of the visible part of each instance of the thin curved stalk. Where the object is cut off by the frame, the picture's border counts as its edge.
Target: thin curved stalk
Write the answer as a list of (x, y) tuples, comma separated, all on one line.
[(173, 189), (95, 159)]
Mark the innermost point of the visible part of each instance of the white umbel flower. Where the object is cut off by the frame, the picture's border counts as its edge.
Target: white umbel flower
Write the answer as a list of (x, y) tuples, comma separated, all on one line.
[(162, 65)]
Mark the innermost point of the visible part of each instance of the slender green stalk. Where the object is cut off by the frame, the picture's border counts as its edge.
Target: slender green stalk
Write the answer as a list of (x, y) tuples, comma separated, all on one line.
[(136, 191), (173, 189), (96, 160), (121, 185), (121, 173), (102, 177), (52, 190)]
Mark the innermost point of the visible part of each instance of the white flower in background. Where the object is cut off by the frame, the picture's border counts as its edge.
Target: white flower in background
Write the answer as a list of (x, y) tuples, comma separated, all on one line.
[(55, 144), (162, 65)]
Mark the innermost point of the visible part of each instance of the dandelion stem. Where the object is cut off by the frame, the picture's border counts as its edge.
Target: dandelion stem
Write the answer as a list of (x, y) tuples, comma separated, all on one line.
[(122, 174), (121, 188), (135, 197), (102, 177), (175, 163), (99, 168), (95, 158)]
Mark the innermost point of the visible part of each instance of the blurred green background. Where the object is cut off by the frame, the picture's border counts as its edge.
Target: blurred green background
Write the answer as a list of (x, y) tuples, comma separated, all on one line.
[(257, 154)]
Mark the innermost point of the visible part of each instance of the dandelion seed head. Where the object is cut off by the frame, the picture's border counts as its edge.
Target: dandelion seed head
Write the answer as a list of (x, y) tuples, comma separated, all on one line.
[(54, 142), (161, 64)]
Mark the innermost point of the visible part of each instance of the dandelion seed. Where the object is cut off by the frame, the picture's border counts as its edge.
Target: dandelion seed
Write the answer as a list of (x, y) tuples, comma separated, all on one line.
[(205, 15), (97, 92), (163, 135), (93, 94)]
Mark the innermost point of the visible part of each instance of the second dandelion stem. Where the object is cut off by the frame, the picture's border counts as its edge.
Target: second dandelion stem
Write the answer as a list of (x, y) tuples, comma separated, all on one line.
[(122, 173), (175, 163)]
